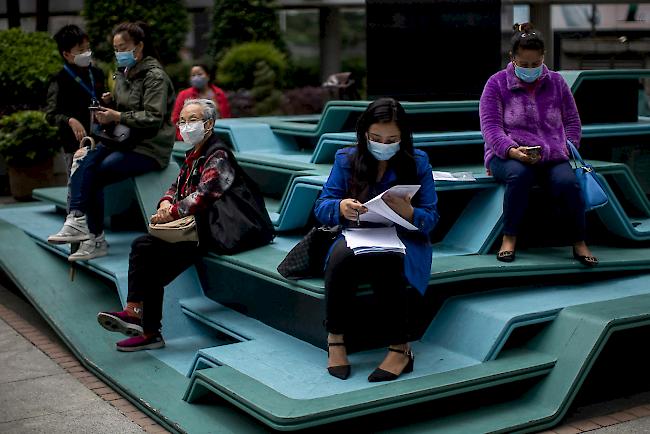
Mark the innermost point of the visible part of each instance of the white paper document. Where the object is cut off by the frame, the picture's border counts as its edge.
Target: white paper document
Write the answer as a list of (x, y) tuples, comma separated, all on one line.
[(380, 212), (455, 176), (368, 240)]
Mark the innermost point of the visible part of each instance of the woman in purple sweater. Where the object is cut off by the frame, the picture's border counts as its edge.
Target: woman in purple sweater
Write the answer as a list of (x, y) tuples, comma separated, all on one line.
[(527, 115)]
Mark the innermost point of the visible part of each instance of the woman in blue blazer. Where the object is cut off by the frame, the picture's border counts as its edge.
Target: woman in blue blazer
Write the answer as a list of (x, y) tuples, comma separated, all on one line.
[(383, 157)]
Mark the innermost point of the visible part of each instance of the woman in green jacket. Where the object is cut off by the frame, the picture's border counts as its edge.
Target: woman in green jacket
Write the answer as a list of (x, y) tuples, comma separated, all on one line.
[(135, 133)]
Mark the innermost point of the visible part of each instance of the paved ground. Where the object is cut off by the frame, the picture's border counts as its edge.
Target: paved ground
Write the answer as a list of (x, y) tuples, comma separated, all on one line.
[(44, 389)]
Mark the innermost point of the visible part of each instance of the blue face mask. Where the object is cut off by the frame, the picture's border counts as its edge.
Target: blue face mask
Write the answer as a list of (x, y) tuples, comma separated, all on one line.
[(198, 81), (383, 151), (528, 75), (125, 58)]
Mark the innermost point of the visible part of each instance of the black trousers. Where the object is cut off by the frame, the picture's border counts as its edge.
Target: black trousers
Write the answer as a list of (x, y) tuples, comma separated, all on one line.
[(153, 264), (384, 272)]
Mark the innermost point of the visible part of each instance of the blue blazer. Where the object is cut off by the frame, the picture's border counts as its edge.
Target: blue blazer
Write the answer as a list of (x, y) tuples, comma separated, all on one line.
[(417, 263)]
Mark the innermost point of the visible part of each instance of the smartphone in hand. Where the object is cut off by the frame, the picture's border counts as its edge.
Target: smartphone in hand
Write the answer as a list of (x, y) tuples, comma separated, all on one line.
[(532, 151)]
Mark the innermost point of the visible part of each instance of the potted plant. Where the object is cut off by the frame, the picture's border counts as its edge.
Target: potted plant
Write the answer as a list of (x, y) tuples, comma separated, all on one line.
[(28, 145)]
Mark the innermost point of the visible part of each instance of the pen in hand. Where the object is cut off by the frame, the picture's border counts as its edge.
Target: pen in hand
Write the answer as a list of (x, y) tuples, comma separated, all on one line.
[(357, 211)]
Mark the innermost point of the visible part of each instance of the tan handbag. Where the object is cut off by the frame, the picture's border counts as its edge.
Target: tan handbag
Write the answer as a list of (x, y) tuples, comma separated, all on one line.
[(183, 229)]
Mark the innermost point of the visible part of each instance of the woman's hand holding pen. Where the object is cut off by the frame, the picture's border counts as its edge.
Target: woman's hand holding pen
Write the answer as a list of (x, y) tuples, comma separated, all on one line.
[(351, 209)]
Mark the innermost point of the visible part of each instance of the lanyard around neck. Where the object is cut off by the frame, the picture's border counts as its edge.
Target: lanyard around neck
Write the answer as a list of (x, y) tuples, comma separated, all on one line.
[(90, 90)]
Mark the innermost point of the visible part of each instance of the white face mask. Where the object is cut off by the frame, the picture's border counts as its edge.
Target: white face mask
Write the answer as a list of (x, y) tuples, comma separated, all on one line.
[(193, 132), (83, 59), (383, 151)]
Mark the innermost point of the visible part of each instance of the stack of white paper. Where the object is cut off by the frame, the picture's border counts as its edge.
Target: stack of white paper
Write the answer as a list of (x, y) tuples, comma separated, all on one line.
[(455, 176), (369, 240)]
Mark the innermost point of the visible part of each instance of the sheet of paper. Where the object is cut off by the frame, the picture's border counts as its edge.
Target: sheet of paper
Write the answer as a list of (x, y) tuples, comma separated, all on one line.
[(455, 176), (380, 212), (365, 240)]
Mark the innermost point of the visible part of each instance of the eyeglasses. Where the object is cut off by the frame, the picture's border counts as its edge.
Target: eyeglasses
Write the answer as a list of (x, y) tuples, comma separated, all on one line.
[(191, 121)]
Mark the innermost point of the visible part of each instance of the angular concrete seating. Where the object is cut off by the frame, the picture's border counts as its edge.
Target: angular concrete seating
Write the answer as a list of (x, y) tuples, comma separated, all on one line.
[(240, 335)]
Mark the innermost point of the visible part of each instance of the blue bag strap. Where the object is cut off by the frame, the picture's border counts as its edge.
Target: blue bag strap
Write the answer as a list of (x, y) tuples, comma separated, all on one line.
[(75, 77), (575, 155)]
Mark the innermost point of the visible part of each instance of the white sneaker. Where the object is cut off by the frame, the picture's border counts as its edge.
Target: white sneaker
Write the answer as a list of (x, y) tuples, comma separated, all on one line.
[(74, 230), (91, 248)]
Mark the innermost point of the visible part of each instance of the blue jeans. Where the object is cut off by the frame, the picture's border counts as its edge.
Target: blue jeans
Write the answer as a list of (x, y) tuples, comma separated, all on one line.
[(557, 177), (100, 167)]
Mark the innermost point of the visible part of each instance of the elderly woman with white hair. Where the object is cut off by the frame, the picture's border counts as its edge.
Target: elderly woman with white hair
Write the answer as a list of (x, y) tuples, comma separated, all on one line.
[(209, 172)]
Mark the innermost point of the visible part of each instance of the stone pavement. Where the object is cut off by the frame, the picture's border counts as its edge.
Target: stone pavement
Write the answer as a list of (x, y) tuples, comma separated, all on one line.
[(44, 389)]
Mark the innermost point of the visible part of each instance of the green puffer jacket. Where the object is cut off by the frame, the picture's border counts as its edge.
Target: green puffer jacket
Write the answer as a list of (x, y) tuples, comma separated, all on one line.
[(145, 97)]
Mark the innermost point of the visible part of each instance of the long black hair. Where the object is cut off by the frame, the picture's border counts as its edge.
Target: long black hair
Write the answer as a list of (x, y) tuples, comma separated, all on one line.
[(526, 37), (364, 165), (139, 32)]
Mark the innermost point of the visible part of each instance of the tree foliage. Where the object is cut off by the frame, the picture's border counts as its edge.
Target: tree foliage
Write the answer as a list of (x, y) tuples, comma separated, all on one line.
[(29, 60), (238, 21), (168, 21)]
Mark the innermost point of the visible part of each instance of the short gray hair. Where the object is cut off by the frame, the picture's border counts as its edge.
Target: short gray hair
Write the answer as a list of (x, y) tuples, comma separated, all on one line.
[(210, 110)]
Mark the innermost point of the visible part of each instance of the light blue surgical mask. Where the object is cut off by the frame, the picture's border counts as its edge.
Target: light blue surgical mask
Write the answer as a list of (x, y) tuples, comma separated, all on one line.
[(198, 81), (125, 58), (528, 75), (383, 151)]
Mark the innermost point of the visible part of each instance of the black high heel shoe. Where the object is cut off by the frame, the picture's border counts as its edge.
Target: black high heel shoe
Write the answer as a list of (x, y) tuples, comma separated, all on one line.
[(381, 375), (341, 372), (588, 261)]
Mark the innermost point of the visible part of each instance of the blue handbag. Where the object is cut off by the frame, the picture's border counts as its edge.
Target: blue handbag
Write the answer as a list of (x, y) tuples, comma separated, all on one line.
[(592, 192)]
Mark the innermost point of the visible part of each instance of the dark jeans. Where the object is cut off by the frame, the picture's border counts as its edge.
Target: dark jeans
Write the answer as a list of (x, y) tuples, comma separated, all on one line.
[(384, 271), (153, 264), (558, 178), (100, 167)]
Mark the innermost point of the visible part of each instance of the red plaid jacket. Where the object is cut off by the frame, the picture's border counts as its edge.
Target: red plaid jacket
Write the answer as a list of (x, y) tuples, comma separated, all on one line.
[(204, 178)]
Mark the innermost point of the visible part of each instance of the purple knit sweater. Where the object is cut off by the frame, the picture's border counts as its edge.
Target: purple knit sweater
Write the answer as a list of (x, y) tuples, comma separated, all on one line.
[(514, 113)]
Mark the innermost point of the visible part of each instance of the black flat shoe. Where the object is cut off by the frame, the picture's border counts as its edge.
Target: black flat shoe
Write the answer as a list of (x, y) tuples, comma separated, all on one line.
[(587, 261), (381, 375), (341, 372), (506, 256)]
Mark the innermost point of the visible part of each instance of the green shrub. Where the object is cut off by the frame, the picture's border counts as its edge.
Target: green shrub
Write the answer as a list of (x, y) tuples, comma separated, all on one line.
[(267, 96), (238, 21), (237, 68), (27, 138), (168, 21), (29, 60), (303, 72)]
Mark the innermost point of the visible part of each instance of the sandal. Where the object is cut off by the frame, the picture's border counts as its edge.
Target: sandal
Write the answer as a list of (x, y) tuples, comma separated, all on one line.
[(588, 261), (506, 256)]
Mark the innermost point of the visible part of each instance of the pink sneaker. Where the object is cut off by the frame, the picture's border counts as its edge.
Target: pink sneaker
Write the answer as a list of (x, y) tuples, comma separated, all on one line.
[(138, 343), (120, 322)]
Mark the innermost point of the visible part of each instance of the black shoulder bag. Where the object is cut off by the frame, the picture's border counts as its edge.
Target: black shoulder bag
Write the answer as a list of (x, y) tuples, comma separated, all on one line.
[(307, 258), (238, 220)]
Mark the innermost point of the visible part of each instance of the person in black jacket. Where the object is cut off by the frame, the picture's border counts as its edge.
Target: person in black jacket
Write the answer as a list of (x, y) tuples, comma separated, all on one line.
[(73, 89)]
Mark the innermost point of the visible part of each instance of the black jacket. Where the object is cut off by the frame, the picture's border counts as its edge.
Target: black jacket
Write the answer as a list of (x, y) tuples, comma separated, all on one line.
[(68, 99)]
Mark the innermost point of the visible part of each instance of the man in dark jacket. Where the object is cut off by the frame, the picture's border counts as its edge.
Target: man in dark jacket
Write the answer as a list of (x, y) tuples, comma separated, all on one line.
[(75, 88)]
